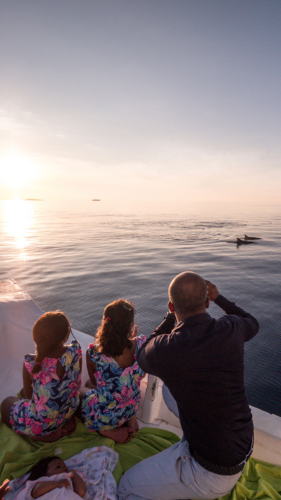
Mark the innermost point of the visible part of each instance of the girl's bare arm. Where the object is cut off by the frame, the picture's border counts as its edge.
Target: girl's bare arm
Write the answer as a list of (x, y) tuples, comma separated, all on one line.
[(45, 486), (91, 367), (27, 383)]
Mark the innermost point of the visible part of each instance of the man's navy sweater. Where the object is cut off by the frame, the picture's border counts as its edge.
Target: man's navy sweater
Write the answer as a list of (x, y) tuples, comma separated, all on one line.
[(201, 361)]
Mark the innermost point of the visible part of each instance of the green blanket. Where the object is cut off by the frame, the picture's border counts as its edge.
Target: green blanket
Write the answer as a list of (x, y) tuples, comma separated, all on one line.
[(18, 454), (259, 480)]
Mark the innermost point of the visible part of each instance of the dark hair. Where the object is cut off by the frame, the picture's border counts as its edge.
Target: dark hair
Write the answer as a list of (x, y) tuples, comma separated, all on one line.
[(41, 468), (48, 331), (112, 334)]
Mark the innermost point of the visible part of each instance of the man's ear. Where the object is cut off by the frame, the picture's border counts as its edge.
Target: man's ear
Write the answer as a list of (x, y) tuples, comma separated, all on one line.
[(207, 302), (171, 307)]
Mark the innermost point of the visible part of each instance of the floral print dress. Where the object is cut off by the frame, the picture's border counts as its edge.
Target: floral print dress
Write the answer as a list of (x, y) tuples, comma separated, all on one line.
[(54, 400), (117, 396)]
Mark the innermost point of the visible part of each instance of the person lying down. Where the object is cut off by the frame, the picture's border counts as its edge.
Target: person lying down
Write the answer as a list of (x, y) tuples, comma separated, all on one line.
[(50, 479), (94, 466)]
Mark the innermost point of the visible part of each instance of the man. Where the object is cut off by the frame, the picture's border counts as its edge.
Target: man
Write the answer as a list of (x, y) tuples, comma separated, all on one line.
[(201, 363)]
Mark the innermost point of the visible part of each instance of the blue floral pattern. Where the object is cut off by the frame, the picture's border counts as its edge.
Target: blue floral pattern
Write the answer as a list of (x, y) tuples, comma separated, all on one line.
[(117, 396), (54, 400)]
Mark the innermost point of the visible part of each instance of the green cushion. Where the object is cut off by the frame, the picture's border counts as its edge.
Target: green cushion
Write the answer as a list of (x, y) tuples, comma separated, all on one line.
[(18, 454)]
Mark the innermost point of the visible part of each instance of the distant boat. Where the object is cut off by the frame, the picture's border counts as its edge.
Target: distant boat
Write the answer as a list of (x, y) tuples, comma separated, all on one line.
[(95, 199), (251, 237)]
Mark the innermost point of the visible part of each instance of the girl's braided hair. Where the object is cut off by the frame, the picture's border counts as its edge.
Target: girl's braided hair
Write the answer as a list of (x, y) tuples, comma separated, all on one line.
[(114, 330), (48, 332)]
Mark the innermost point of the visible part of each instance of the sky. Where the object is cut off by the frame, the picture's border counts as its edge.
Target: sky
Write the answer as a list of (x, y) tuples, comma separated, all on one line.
[(142, 104)]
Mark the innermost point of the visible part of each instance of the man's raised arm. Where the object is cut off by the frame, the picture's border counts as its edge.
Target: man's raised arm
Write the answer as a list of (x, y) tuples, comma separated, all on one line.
[(251, 324), (146, 356)]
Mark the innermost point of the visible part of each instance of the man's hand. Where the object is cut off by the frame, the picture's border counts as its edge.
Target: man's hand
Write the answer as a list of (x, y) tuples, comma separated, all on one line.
[(213, 292)]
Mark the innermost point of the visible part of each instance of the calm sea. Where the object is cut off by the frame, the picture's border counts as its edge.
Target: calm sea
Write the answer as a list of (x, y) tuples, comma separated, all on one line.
[(79, 258)]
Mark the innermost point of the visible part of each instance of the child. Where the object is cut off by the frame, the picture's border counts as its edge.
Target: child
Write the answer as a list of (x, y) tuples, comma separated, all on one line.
[(51, 380), (115, 375), (58, 476)]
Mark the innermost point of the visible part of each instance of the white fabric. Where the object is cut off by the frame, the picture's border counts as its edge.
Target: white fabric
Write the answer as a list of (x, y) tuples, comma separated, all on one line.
[(95, 465), (55, 494)]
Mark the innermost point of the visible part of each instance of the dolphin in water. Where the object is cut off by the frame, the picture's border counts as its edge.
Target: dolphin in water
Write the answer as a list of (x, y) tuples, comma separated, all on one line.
[(251, 237), (243, 242)]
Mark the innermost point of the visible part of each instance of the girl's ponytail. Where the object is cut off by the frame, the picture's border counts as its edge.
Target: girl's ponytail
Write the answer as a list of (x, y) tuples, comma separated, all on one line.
[(38, 360)]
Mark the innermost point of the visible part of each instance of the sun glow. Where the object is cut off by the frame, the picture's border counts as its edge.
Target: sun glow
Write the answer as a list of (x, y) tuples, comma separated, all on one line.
[(16, 171), (18, 222)]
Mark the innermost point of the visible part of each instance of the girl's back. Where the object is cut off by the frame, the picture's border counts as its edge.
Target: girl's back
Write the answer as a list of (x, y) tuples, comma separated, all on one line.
[(117, 395), (113, 369), (52, 378)]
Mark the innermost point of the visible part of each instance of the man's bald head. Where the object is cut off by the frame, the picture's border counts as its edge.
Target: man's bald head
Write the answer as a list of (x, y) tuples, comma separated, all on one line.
[(188, 294)]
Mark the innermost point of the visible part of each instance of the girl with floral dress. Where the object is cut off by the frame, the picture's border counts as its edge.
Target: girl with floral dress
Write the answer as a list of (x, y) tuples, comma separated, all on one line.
[(110, 405), (51, 383)]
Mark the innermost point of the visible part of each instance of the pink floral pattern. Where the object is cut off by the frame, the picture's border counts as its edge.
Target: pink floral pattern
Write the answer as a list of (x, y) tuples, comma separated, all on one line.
[(117, 396), (54, 400)]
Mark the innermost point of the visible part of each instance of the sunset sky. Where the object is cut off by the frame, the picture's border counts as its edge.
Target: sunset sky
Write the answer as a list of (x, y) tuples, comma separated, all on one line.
[(154, 102)]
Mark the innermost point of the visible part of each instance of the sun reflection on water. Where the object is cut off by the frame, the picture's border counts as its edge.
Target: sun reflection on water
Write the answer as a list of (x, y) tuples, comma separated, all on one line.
[(18, 222)]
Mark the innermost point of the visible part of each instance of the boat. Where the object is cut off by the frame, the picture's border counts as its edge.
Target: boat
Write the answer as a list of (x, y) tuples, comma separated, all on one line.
[(18, 313)]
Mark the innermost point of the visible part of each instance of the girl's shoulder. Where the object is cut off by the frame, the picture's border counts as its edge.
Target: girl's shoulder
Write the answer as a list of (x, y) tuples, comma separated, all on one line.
[(74, 347), (72, 353), (140, 340), (93, 350), (29, 361), (97, 356)]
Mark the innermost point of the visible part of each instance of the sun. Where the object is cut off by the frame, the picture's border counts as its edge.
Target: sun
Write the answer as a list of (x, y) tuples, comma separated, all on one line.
[(16, 171)]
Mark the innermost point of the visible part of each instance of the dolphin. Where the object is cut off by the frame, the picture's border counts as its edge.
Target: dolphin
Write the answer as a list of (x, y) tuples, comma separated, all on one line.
[(243, 242), (251, 237)]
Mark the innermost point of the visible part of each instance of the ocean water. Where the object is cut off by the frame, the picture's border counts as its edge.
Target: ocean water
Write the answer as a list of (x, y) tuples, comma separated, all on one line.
[(80, 257)]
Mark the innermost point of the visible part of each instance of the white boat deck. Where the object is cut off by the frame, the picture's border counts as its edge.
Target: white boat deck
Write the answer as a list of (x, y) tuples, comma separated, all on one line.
[(18, 313)]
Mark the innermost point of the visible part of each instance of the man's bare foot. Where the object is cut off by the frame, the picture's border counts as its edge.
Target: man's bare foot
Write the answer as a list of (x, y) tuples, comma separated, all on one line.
[(133, 422), (120, 435)]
